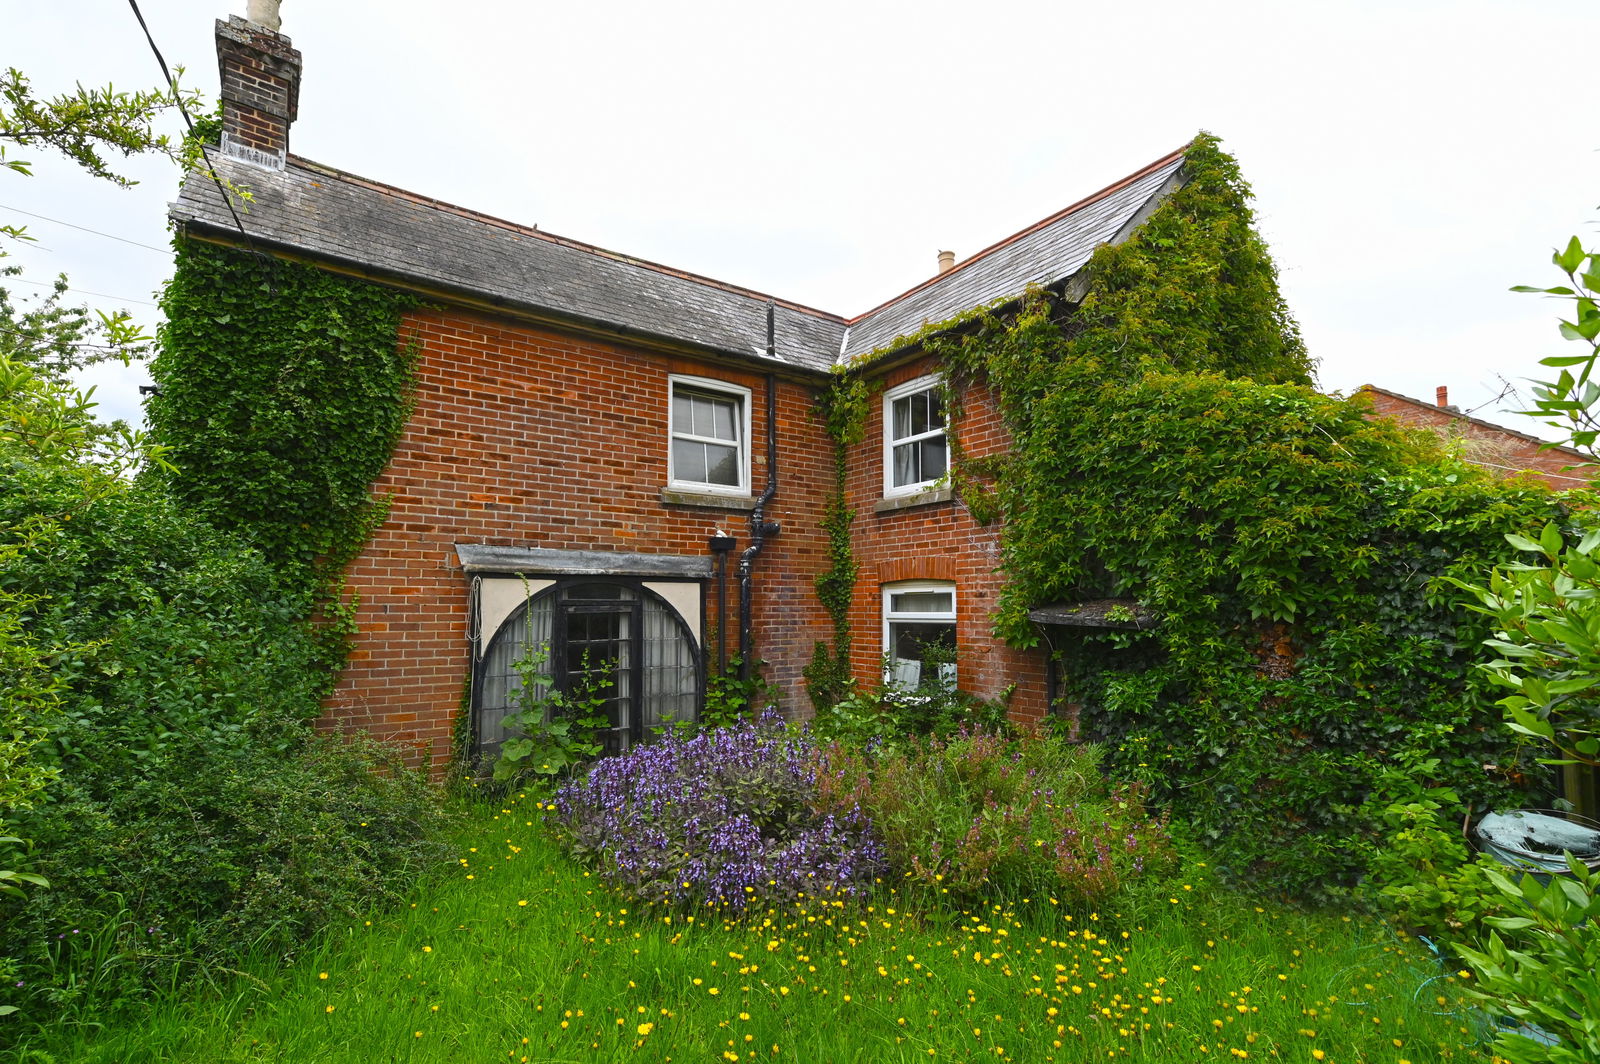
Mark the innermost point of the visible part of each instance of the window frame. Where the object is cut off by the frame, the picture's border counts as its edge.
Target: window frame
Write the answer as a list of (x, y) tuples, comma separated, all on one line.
[(721, 389), (890, 617), (928, 382)]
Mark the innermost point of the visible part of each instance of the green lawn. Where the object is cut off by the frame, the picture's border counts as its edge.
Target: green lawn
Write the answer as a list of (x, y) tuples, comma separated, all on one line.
[(518, 956)]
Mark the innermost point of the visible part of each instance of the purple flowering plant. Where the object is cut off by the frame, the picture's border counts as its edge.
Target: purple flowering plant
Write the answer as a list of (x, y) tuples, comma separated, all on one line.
[(726, 817)]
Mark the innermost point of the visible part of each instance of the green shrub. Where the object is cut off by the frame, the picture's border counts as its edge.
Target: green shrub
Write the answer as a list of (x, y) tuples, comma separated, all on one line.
[(1424, 872), (554, 732), (1548, 978), (1551, 979), (980, 814), (225, 852), (192, 816), (1299, 559), (886, 715)]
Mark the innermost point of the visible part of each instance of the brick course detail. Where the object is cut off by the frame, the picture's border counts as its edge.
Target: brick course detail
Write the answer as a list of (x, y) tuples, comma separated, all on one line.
[(529, 438)]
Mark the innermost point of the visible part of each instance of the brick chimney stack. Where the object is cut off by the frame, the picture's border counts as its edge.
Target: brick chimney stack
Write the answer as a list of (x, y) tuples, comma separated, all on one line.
[(1441, 396), (260, 86)]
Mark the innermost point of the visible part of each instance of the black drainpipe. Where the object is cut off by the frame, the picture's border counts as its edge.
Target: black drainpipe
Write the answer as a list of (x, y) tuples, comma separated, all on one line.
[(720, 546), (760, 527)]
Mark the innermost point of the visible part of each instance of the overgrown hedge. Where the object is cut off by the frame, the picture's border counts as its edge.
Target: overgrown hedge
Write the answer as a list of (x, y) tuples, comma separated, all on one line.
[(173, 639), (168, 677)]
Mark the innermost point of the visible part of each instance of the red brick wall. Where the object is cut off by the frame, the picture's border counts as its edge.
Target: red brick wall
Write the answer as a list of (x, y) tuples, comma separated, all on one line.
[(533, 438), (938, 541), (1500, 450)]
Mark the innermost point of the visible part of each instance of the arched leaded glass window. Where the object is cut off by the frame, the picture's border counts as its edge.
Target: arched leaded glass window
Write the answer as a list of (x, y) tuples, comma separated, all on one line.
[(613, 641)]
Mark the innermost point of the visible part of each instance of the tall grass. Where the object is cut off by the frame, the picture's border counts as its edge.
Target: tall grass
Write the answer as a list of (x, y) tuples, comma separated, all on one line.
[(518, 956)]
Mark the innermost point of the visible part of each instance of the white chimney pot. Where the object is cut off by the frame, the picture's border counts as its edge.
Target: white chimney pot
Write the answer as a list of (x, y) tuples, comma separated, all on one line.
[(264, 13)]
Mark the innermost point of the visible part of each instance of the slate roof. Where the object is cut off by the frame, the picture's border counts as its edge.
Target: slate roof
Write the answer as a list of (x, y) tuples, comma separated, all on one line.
[(336, 216), (1049, 251), (327, 214)]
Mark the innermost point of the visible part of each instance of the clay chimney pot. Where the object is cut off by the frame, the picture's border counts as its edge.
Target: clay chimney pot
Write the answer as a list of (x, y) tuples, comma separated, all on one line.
[(264, 13), (947, 261)]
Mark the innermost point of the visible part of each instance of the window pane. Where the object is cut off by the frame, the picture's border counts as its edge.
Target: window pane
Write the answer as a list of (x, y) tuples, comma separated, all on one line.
[(670, 672), (905, 465), (933, 457), (935, 410), (597, 592), (689, 461), (922, 602), (723, 417), (722, 465), (919, 412), (500, 691), (706, 415), (702, 415), (925, 642), (902, 419)]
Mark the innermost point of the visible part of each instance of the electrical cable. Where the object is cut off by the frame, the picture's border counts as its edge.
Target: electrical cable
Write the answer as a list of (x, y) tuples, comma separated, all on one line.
[(189, 122), (110, 349), (86, 229), (82, 292)]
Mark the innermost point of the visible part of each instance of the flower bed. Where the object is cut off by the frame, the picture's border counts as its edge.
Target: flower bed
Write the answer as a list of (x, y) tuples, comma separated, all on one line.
[(724, 818)]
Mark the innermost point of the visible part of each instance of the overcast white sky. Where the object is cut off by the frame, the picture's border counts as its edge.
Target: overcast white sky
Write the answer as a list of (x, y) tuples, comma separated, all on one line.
[(1412, 160)]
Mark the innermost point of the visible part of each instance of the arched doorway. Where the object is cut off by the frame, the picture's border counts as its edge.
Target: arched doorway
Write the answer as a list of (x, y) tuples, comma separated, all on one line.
[(615, 640)]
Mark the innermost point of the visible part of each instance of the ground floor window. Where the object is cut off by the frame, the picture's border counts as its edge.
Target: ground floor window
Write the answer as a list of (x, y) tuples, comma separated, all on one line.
[(616, 641), (919, 633)]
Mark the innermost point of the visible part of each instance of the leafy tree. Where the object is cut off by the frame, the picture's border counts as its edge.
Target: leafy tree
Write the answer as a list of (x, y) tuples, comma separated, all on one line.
[(42, 418), (1547, 616), (1547, 612), (90, 126), (1571, 402)]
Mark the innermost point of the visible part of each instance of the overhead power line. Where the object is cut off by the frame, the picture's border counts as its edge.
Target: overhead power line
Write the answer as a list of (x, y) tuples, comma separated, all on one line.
[(86, 229), (189, 123), (81, 345), (80, 291)]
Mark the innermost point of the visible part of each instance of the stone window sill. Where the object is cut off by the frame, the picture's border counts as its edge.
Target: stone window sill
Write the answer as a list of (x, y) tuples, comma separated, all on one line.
[(708, 500), (906, 502)]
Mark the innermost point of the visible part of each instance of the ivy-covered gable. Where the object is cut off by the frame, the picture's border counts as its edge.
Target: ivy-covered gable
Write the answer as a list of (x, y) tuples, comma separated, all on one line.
[(282, 391), (1167, 448)]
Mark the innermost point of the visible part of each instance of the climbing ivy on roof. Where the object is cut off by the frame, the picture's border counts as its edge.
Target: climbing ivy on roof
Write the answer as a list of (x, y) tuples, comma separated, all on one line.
[(1195, 289), (1167, 449), (283, 389)]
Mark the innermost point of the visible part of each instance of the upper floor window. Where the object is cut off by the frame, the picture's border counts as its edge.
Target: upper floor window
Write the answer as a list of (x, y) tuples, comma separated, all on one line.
[(915, 450), (710, 436)]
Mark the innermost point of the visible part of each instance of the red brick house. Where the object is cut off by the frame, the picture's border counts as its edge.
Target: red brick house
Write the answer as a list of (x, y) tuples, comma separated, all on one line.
[(1504, 451), (621, 462)]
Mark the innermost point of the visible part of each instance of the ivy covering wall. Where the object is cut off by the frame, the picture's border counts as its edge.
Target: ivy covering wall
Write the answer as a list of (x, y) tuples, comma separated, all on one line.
[(283, 391), (842, 408), (1167, 449)]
